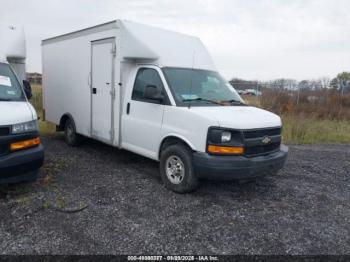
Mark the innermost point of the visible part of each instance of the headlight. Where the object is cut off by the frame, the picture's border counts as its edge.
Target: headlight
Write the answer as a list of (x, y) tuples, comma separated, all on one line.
[(217, 136), (225, 141), (25, 127), (225, 136)]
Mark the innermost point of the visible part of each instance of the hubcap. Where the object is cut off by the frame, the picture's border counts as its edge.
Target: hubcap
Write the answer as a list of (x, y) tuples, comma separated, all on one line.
[(175, 169)]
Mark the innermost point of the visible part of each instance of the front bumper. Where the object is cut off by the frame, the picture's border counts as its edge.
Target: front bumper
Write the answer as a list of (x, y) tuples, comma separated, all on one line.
[(238, 167), (20, 166)]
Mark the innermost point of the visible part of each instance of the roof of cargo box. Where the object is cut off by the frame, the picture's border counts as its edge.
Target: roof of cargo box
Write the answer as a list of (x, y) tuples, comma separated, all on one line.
[(12, 44), (152, 45)]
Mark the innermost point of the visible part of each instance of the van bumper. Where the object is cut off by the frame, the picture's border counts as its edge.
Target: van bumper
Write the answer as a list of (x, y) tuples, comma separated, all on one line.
[(238, 167), (21, 166)]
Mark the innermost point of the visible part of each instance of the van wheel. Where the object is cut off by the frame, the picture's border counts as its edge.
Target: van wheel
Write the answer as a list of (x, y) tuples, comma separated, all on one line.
[(176, 169), (70, 135)]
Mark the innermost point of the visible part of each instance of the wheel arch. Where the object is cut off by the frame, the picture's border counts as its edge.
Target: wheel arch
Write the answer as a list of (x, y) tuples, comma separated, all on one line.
[(174, 139), (63, 121)]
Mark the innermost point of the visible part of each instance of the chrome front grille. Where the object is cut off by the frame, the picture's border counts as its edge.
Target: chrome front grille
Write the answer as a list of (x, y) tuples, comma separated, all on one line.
[(262, 132), (262, 141)]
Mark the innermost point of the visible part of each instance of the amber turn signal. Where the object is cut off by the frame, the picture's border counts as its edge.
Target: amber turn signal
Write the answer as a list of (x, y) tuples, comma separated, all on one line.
[(225, 150), (25, 144)]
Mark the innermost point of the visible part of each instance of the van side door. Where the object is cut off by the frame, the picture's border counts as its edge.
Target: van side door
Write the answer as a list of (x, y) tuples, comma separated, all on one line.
[(142, 118)]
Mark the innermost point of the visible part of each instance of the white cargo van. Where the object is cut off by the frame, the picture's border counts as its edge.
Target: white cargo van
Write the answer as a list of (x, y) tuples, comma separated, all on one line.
[(21, 153), (157, 93)]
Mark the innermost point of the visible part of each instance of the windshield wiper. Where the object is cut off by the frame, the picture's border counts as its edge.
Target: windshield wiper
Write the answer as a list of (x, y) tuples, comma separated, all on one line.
[(5, 99), (203, 99), (233, 101)]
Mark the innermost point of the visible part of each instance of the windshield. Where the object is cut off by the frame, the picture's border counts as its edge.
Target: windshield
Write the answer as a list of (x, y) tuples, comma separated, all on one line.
[(10, 89), (200, 87)]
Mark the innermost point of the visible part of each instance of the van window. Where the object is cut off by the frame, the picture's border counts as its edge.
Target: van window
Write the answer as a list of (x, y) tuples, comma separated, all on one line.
[(198, 87), (144, 77), (10, 89)]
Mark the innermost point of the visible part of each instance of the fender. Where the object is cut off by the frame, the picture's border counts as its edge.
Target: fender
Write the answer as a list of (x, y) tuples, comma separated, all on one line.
[(184, 139)]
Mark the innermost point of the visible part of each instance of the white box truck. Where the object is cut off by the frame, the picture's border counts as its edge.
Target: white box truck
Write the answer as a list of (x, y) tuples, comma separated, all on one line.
[(21, 153), (157, 93)]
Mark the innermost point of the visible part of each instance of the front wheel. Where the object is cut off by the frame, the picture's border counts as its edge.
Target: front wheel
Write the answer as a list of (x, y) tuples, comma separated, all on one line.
[(176, 169)]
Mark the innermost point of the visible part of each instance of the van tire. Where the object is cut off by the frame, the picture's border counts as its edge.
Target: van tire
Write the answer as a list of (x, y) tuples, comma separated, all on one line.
[(70, 135), (185, 180)]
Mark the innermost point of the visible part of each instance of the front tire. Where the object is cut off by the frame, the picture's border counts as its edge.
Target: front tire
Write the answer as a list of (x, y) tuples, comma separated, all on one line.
[(176, 169), (70, 135)]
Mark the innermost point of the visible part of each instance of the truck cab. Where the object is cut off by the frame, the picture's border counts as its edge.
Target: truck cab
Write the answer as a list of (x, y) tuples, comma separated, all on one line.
[(21, 153), (196, 124)]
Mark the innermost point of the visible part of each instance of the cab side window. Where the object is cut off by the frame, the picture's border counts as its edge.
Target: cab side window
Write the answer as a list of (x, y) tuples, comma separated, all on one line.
[(147, 77)]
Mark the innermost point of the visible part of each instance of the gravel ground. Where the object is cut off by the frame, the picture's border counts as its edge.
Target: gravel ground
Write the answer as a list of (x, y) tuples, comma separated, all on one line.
[(305, 209)]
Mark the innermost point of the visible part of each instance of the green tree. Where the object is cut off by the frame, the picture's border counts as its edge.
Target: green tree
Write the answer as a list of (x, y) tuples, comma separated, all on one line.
[(341, 82)]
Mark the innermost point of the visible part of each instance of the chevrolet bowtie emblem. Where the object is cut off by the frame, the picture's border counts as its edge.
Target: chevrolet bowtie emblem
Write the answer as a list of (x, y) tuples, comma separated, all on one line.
[(266, 140)]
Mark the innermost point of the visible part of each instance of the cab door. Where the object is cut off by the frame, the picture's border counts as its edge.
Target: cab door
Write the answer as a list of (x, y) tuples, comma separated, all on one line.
[(142, 118)]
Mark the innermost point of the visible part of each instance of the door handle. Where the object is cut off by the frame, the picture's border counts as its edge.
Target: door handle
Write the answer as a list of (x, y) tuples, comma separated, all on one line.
[(94, 90), (128, 108)]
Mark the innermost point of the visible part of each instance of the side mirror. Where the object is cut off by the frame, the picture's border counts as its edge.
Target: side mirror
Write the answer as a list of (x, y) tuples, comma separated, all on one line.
[(152, 93), (27, 89)]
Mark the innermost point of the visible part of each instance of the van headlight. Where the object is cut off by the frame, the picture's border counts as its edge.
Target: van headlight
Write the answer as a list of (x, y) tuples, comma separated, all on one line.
[(225, 136), (222, 141), (25, 127)]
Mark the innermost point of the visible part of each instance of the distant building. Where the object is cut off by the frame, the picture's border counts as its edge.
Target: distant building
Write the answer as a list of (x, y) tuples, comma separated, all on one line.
[(34, 78)]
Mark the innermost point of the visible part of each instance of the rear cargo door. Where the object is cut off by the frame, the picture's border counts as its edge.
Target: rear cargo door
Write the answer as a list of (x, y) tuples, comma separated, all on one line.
[(102, 89)]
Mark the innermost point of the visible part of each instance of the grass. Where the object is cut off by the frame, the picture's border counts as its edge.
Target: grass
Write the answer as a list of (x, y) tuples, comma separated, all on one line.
[(308, 129), (45, 128), (37, 99), (297, 129)]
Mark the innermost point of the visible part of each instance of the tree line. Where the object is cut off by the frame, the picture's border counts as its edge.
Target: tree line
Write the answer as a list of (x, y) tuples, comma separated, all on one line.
[(340, 83)]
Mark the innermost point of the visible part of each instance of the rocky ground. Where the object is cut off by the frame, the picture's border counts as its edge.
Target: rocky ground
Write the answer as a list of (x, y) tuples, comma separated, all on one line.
[(95, 199)]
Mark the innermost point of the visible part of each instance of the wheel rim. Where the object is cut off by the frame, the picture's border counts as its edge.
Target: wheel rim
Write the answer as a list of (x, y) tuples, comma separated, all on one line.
[(175, 169)]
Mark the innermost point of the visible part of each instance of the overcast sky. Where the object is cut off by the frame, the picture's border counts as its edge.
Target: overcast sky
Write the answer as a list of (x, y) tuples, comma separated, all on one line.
[(251, 39)]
